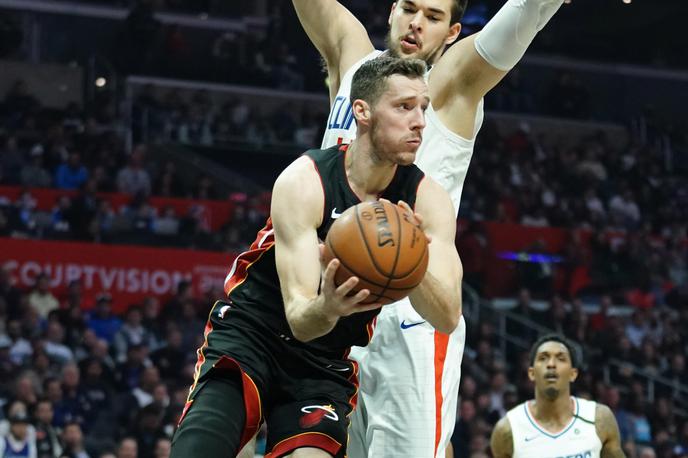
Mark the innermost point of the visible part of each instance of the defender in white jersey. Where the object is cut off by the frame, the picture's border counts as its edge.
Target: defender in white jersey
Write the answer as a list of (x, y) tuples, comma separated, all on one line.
[(409, 372), (555, 424)]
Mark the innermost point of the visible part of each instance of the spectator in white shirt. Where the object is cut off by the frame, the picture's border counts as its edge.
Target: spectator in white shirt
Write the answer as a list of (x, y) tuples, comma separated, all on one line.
[(134, 178)]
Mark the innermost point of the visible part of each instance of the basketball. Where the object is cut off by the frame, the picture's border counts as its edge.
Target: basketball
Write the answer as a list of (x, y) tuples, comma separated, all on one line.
[(376, 242)]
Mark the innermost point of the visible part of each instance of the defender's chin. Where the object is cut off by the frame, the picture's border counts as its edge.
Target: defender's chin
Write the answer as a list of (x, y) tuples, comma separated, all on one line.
[(551, 393)]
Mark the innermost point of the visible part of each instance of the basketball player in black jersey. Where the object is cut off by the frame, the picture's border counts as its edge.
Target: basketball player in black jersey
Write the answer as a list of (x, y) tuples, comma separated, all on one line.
[(276, 350)]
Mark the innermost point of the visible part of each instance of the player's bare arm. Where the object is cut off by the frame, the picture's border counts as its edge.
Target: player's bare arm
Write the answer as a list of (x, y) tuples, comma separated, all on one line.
[(438, 297), (608, 432), (337, 35), (296, 213), (501, 442), (473, 66)]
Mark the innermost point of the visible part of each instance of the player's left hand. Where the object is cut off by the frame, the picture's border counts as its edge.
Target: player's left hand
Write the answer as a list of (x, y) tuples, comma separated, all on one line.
[(413, 217)]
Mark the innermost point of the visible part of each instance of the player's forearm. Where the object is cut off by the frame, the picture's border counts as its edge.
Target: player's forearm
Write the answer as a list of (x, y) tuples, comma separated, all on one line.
[(437, 303), (506, 37), (318, 19), (308, 319)]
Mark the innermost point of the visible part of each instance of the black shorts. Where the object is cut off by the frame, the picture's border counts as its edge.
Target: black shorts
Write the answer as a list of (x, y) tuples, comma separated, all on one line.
[(305, 398)]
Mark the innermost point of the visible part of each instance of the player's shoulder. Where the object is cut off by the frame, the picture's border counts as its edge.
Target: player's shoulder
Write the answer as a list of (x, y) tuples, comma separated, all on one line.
[(603, 414), (502, 442), (349, 67), (299, 177)]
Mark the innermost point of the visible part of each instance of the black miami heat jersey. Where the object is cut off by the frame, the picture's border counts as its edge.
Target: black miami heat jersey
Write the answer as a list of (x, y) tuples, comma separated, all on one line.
[(253, 283)]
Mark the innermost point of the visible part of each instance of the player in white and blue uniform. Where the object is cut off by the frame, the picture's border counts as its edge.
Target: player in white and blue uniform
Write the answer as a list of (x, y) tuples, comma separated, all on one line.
[(556, 424), (410, 373)]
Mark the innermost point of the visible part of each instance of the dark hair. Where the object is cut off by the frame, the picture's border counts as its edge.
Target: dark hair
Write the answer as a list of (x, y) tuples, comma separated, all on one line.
[(458, 8), (555, 338), (370, 80)]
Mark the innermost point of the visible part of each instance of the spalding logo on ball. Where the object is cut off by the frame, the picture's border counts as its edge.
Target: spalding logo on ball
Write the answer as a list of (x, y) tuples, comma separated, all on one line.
[(378, 243)]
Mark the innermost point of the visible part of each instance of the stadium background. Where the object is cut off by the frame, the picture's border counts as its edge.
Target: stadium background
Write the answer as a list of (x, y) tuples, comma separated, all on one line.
[(138, 144)]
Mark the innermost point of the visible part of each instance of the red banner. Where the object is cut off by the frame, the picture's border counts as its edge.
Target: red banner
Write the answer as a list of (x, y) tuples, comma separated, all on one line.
[(212, 213), (128, 273)]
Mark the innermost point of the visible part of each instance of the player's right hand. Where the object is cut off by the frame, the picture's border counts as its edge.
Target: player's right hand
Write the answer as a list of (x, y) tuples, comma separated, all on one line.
[(336, 299)]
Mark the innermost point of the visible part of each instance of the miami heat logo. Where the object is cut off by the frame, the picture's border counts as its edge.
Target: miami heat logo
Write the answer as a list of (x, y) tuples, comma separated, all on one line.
[(315, 414)]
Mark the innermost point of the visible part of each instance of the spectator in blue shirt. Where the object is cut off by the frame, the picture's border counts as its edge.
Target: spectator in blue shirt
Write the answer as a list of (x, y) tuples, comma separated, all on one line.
[(71, 175), (102, 321)]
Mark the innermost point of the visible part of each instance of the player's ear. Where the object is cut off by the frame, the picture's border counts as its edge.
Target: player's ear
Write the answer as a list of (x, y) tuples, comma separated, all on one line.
[(453, 34), (391, 13), (531, 374), (361, 111), (574, 375)]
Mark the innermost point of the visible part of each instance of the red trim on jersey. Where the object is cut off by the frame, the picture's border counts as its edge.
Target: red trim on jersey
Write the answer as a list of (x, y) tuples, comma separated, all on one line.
[(200, 358), (441, 344), (264, 241), (184, 411), (353, 379), (252, 403), (312, 439), (370, 327)]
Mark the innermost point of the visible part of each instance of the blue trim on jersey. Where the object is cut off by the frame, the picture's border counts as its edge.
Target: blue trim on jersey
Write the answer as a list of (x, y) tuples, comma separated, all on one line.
[(548, 434)]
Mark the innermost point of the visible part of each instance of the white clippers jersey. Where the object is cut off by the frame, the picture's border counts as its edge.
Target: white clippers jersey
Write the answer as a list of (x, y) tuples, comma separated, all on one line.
[(443, 155), (577, 440)]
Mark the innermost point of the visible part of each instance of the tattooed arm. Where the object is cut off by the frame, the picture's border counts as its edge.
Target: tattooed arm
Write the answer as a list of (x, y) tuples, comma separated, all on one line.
[(502, 442), (608, 432)]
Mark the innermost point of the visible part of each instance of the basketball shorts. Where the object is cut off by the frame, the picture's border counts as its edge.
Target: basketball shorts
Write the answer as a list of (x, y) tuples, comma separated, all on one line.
[(258, 376), (409, 384)]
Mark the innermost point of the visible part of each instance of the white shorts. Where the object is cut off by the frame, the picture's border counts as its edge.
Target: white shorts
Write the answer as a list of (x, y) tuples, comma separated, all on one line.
[(409, 386)]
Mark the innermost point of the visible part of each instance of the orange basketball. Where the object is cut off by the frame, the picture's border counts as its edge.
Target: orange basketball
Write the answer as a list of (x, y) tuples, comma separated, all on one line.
[(375, 242)]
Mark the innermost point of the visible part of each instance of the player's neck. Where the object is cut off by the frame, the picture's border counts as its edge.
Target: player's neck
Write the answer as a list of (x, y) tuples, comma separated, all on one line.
[(367, 177), (552, 412)]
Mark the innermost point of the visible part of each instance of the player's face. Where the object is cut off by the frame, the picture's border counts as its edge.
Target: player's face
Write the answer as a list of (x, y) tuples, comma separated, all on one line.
[(398, 118), (421, 29), (552, 371)]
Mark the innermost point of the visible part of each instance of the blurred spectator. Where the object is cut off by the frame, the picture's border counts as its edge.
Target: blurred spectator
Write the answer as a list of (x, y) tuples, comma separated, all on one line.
[(47, 436), (132, 332), (102, 321), (167, 223), (163, 447), (41, 299), (55, 346), (73, 440), (128, 448), (134, 178), (34, 174), (19, 440), (72, 174), (172, 355), (637, 329), (623, 207), (9, 292)]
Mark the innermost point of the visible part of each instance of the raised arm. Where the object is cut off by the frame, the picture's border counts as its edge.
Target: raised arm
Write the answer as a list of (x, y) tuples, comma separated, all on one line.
[(474, 65), (608, 432), (339, 37), (502, 442), (296, 213), (438, 297)]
